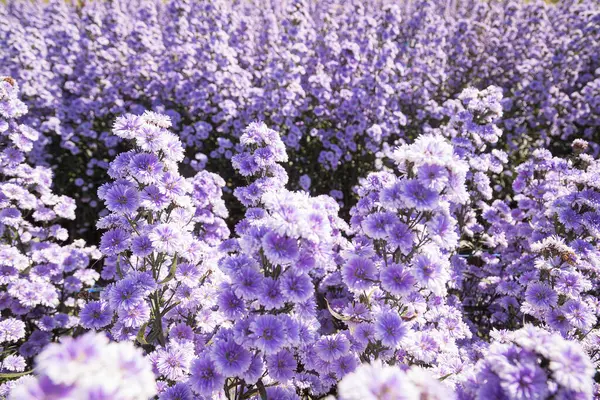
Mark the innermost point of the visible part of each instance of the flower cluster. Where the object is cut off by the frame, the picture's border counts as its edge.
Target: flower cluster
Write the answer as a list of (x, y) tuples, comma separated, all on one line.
[(161, 247), (531, 363), (262, 152), (302, 200), (342, 81), (41, 274), (377, 381), (398, 268), (283, 248), (88, 367)]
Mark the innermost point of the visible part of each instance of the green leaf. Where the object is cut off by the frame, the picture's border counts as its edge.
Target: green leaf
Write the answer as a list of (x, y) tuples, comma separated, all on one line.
[(169, 308), (15, 374), (444, 377), (336, 314), (261, 389), (171, 271), (140, 336)]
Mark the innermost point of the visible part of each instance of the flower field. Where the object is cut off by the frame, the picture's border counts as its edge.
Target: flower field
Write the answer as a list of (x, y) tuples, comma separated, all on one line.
[(299, 199)]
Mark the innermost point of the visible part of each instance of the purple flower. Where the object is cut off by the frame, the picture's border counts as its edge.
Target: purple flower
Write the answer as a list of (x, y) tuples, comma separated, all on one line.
[(247, 283), (134, 316), (359, 273), (345, 365), (256, 369), (430, 273), (173, 185), (145, 167), (578, 314), (127, 126), (13, 363), (153, 198), (433, 176), (268, 333), (389, 328), (397, 280), (122, 199), (280, 250), (204, 377), (400, 236), (230, 358), (524, 381), (229, 304), (11, 330), (296, 287), (540, 296), (95, 315), (418, 196), (282, 365), (173, 362), (272, 295), (141, 246), (166, 238), (377, 225), (179, 391), (571, 367), (114, 241), (332, 347), (125, 294)]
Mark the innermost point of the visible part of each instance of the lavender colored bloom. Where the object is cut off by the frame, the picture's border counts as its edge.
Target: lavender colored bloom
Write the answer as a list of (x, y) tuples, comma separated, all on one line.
[(95, 315), (11, 330), (389, 328), (525, 381), (345, 365), (433, 176), (400, 236), (179, 391), (272, 295), (153, 198), (578, 314), (572, 368), (127, 126), (282, 365), (279, 250), (122, 199), (268, 333), (418, 196), (429, 273), (145, 167), (296, 287), (377, 381), (540, 296), (114, 241), (397, 280), (13, 363), (173, 185), (120, 369), (204, 377), (230, 358), (332, 347), (359, 273), (166, 238), (376, 225), (141, 246), (125, 294), (247, 283), (174, 361), (229, 304), (134, 316)]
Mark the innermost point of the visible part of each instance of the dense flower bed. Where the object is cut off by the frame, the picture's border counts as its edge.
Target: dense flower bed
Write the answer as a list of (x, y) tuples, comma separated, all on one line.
[(299, 200)]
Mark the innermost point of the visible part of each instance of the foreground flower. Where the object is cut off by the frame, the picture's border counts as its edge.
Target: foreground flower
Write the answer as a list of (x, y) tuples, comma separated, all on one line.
[(377, 381), (88, 367)]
